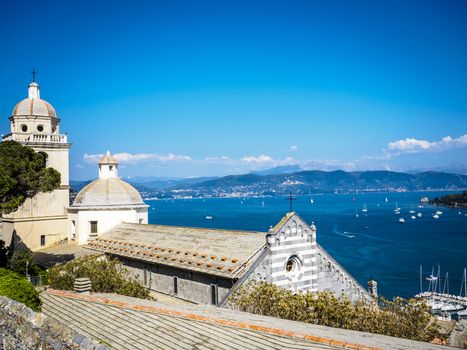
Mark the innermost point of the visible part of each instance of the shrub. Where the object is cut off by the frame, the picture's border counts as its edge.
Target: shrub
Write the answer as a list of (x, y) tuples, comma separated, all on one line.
[(19, 288), (399, 318), (106, 275)]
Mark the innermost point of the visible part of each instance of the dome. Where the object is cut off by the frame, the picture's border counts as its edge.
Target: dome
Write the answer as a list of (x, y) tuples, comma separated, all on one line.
[(108, 192), (34, 107)]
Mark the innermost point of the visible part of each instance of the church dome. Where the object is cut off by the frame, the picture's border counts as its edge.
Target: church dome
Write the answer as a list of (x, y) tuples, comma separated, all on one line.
[(34, 105), (108, 192)]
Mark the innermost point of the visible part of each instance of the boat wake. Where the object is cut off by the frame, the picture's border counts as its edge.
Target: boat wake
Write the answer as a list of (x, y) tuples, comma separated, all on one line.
[(347, 234)]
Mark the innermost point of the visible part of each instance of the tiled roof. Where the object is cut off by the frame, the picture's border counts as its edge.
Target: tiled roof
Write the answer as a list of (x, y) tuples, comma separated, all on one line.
[(131, 323), (108, 192), (34, 107), (218, 252), (126, 325)]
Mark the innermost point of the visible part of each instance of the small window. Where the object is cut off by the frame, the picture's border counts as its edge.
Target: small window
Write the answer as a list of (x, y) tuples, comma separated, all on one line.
[(111, 167), (40, 128), (175, 285), (140, 221), (145, 276), (42, 240), (24, 128), (93, 226), (214, 295), (290, 265)]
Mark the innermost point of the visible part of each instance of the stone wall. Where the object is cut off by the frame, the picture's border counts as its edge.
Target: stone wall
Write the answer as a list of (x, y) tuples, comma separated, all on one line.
[(333, 277), (22, 328)]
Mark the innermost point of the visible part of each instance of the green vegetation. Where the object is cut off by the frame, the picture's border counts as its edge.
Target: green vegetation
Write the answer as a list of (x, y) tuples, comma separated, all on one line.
[(452, 200), (399, 317), (106, 275), (19, 288), (23, 174)]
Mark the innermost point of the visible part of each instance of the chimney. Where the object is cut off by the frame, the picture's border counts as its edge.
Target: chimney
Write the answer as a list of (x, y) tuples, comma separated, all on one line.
[(82, 285)]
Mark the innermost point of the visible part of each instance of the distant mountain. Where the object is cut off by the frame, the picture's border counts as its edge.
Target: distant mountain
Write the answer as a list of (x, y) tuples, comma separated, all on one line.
[(283, 169), (310, 182)]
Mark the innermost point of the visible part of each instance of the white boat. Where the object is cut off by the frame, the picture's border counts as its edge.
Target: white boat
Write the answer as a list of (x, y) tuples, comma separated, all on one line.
[(356, 213), (208, 217), (424, 200), (364, 208), (438, 212), (460, 212), (436, 216), (397, 210), (419, 215), (386, 199), (413, 217), (420, 206), (412, 211), (401, 220), (451, 307), (262, 203)]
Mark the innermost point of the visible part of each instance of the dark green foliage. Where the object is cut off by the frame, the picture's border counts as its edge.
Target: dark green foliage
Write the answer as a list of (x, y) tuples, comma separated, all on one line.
[(19, 260), (399, 317), (4, 254), (452, 200), (106, 275), (19, 288), (23, 174)]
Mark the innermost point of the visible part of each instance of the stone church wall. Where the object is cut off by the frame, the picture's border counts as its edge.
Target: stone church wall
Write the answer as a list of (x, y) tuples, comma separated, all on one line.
[(192, 286), (333, 277), (294, 243)]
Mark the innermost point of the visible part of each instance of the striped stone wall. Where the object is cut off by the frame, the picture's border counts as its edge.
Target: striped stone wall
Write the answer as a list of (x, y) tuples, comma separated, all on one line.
[(293, 241)]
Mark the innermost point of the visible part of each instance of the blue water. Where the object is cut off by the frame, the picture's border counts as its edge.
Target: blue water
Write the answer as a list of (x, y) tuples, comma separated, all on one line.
[(375, 244)]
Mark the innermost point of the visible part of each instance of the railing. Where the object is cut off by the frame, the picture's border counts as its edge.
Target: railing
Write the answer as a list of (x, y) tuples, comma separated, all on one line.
[(27, 137)]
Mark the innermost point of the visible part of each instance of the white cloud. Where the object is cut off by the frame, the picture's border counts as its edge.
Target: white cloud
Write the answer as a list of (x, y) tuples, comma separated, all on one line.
[(293, 148), (139, 157), (257, 160), (412, 145)]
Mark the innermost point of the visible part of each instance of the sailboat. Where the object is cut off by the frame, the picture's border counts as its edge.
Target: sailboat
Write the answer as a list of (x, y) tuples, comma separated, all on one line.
[(262, 203), (419, 215), (401, 220), (386, 199), (364, 208), (397, 210), (412, 211), (356, 213), (311, 200)]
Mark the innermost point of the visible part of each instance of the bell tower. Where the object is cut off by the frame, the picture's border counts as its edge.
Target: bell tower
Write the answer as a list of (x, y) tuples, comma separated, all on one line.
[(42, 220)]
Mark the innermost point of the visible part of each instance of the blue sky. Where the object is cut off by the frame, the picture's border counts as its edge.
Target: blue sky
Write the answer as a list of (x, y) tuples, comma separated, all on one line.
[(192, 88)]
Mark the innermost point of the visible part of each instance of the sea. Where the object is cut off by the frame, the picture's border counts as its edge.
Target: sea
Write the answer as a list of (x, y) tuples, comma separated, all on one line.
[(372, 245)]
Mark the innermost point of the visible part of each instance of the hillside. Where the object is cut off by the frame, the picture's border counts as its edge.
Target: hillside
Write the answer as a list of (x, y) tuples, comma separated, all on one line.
[(311, 182)]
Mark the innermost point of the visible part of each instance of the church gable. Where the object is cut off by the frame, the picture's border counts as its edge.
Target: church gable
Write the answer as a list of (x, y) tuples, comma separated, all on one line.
[(292, 244)]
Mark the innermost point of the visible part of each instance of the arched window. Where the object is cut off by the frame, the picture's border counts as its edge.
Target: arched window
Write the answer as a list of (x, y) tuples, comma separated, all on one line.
[(24, 128)]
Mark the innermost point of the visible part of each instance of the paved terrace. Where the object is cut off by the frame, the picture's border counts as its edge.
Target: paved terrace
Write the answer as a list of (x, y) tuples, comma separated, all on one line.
[(130, 323)]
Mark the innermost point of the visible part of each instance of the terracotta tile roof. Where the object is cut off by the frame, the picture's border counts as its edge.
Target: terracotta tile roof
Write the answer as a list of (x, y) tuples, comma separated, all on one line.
[(220, 252)]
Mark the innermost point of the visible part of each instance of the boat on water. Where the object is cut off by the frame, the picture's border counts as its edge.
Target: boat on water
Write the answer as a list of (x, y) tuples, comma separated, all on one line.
[(397, 210), (424, 200), (262, 203), (208, 217), (356, 213), (419, 215), (438, 212), (436, 216), (401, 220), (311, 200), (386, 199), (364, 209), (413, 217)]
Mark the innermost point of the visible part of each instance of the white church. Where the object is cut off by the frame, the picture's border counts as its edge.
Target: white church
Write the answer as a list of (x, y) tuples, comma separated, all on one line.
[(196, 264)]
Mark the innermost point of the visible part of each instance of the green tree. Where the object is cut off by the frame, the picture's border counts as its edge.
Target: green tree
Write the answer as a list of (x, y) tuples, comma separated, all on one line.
[(19, 288), (106, 275), (23, 174), (399, 317)]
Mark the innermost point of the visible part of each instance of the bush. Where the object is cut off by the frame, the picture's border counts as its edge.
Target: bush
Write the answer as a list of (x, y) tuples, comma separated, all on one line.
[(399, 317), (106, 275), (19, 288), (20, 259)]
